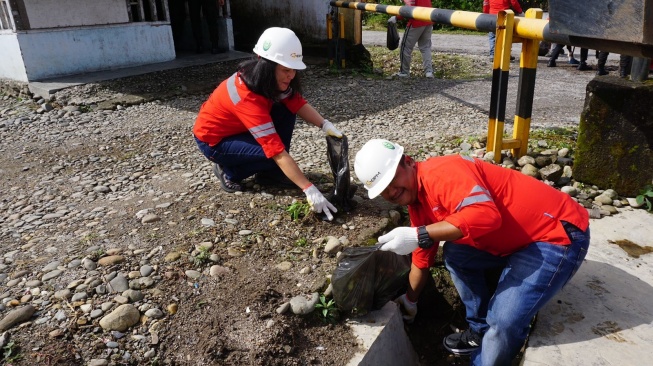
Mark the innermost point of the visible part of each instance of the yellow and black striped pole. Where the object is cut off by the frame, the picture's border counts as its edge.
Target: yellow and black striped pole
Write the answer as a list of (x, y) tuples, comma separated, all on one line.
[(530, 28), (509, 29)]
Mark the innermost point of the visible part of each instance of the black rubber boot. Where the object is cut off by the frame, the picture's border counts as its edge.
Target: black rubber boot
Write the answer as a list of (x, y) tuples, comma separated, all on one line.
[(601, 71), (584, 67)]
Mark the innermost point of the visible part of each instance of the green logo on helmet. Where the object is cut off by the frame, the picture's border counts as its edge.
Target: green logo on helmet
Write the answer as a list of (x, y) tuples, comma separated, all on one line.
[(266, 45), (388, 145)]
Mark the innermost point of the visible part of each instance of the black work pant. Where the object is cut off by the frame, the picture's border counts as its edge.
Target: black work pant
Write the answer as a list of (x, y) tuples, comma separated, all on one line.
[(209, 9)]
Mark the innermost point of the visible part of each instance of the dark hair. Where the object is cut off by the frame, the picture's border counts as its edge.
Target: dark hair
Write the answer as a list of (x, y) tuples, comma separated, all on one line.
[(259, 76)]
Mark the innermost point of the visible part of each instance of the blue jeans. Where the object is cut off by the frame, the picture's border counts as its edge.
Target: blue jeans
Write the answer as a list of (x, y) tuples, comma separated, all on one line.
[(529, 279), (240, 156), (492, 38)]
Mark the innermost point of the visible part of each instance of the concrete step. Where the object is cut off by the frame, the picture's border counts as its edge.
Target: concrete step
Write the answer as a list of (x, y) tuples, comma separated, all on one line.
[(382, 338), (604, 316)]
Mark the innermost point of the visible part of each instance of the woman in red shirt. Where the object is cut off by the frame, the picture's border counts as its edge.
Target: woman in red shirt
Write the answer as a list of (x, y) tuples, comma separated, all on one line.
[(246, 125)]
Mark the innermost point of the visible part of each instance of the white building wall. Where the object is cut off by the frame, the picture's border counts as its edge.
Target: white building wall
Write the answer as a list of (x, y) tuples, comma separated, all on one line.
[(70, 13), (305, 17), (11, 60), (60, 52)]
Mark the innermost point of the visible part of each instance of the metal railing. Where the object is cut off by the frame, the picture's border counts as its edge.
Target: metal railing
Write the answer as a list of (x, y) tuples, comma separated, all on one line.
[(6, 16)]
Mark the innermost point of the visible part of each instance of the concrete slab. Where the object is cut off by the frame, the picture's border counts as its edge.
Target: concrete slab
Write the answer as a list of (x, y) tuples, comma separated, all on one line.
[(604, 316), (45, 88), (382, 338)]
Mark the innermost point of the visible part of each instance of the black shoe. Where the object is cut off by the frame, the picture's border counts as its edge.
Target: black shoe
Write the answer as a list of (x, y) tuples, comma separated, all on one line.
[(277, 180), (512, 58), (462, 343), (552, 63), (199, 49), (226, 184), (601, 71), (584, 67)]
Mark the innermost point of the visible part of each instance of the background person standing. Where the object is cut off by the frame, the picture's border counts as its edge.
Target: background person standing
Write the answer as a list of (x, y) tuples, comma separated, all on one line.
[(208, 9), (494, 7), (417, 31)]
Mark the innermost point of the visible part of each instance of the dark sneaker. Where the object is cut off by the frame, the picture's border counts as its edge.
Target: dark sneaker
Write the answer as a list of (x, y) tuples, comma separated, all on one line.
[(584, 67), (551, 63), (226, 184), (462, 343), (276, 180), (573, 61), (602, 71)]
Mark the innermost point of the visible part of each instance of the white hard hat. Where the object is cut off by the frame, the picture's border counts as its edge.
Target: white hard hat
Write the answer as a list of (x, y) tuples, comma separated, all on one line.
[(282, 46), (376, 163)]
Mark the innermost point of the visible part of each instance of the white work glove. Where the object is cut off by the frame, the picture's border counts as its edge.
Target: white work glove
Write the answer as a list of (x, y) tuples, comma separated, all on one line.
[(392, 19), (409, 308), (318, 202), (520, 15), (401, 240), (330, 130)]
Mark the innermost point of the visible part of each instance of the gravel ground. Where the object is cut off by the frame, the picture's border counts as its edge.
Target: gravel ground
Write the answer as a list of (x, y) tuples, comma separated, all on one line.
[(119, 247)]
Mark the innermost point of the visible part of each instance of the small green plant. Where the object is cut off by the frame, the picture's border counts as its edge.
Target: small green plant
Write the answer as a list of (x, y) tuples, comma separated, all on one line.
[(645, 197), (10, 353), (202, 257), (298, 210), (301, 242), (327, 310), (97, 254), (89, 238)]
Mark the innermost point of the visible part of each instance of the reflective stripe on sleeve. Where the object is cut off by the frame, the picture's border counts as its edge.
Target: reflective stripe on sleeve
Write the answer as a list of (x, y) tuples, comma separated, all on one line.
[(232, 90), (474, 197), (263, 130)]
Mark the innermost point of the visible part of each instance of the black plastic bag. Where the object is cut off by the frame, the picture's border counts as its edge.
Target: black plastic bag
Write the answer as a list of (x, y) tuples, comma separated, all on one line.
[(392, 39), (366, 278), (343, 191)]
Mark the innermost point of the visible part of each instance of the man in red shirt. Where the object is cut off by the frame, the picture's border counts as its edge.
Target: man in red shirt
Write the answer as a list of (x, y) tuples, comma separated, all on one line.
[(489, 217), (494, 7)]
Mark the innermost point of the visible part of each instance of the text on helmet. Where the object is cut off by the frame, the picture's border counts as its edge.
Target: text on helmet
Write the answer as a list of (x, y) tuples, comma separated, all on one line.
[(369, 182)]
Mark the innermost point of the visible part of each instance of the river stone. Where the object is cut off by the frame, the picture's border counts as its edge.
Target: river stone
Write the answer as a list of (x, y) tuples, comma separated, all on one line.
[(123, 317), (551, 172), (51, 275), (150, 218), (154, 313), (16, 316), (218, 270), (333, 245), (133, 295), (603, 199), (110, 260), (302, 306), (172, 256), (530, 170)]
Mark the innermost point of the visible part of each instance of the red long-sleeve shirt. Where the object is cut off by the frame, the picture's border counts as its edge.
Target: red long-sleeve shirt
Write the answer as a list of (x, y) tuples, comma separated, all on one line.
[(414, 23), (495, 6), (498, 210), (233, 109)]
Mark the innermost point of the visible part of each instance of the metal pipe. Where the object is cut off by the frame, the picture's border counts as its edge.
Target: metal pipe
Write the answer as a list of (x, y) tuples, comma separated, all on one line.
[(523, 27)]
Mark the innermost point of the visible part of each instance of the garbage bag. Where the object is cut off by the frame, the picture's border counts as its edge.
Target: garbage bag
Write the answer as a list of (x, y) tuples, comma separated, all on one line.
[(366, 278), (392, 39), (343, 190)]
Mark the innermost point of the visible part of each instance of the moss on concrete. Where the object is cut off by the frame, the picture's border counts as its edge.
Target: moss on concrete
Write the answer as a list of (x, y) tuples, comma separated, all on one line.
[(615, 137)]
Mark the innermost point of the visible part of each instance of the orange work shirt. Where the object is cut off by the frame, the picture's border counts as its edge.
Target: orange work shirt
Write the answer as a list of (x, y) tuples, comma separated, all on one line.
[(233, 109), (498, 210)]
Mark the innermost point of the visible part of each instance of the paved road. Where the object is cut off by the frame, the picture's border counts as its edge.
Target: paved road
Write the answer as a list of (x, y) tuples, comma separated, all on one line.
[(456, 43)]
